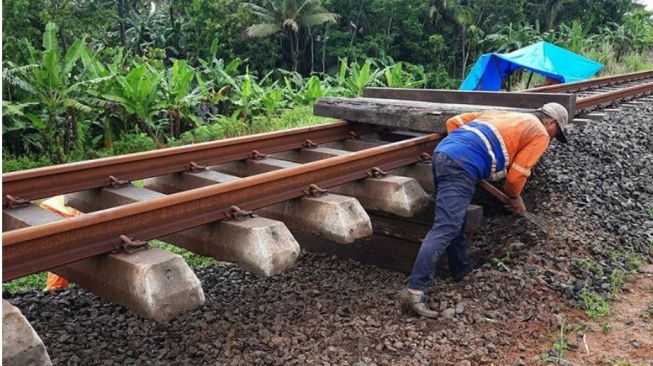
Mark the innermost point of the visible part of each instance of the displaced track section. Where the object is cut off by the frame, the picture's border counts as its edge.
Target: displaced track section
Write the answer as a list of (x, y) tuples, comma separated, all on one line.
[(38, 248), (22, 186)]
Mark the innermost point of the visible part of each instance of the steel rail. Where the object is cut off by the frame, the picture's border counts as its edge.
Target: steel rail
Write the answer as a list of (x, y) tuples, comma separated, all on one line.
[(38, 183), (592, 83), (603, 98), (37, 248)]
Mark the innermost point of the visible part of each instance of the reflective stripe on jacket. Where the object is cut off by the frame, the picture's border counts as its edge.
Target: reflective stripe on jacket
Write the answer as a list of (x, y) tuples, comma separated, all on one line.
[(512, 141)]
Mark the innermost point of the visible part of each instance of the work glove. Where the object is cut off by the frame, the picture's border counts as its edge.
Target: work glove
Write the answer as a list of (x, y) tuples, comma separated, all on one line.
[(516, 205)]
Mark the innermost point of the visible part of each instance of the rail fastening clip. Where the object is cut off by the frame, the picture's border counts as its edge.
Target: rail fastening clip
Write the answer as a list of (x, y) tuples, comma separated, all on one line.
[(117, 183), (314, 190), (376, 172), (15, 202), (128, 245), (238, 214)]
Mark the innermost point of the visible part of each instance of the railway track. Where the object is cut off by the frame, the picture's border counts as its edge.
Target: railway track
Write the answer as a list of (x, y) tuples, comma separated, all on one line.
[(37, 248), (596, 93), (190, 188)]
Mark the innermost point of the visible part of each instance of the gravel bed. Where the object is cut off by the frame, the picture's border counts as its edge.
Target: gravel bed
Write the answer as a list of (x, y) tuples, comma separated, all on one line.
[(596, 194)]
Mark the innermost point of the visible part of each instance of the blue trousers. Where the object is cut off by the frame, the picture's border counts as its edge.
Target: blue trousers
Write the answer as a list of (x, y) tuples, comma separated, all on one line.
[(455, 189)]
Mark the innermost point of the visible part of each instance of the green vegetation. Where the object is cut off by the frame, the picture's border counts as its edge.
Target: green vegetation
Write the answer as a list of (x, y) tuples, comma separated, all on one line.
[(560, 345), (596, 306), (32, 282), (624, 362), (590, 265), (648, 312), (191, 258), (605, 327), (617, 280), (501, 262), (91, 79)]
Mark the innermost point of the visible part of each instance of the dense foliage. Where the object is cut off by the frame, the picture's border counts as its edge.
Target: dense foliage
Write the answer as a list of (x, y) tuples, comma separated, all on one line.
[(84, 79)]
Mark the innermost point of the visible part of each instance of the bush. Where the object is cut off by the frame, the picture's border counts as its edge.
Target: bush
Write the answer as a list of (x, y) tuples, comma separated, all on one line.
[(133, 142), (12, 164), (202, 134)]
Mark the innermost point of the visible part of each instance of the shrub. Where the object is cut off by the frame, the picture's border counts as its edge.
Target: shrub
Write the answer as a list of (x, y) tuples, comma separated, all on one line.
[(12, 164), (133, 142)]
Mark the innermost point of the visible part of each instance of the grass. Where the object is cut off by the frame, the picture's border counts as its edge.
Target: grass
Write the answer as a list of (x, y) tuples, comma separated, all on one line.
[(32, 282), (605, 327), (560, 345), (648, 312), (596, 306), (590, 265), (193, 260), (501, 262), (623, 363), (634, 262), (617, 280), (615, 254)]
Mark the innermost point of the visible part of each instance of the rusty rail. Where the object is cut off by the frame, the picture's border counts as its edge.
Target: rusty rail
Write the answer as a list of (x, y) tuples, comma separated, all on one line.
[(50, 181), (592, 83), (42, 247), (608, 97)]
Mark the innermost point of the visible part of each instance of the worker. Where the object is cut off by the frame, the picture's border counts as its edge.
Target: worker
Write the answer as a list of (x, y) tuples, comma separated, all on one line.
[(486, 145)]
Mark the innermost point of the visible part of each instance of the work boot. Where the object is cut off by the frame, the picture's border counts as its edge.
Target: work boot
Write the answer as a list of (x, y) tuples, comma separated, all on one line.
[(457, 277), (418, 303)]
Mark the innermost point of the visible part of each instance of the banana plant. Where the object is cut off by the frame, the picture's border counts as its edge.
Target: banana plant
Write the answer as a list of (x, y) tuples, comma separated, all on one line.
[(55, 83), (18, 135), (352, 78), (272, 99), (138, 98), (107, 126), (396, 77), (218, 75), (181, 98), (575, 36)]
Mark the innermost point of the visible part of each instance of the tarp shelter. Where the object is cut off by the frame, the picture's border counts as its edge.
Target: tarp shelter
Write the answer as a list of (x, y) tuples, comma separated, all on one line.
[(541, 58)]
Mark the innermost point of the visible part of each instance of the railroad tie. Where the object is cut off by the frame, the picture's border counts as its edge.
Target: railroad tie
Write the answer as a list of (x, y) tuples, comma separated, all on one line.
[(20, 343), (334, 217), (262, 246), (153, 283), (398, 195)]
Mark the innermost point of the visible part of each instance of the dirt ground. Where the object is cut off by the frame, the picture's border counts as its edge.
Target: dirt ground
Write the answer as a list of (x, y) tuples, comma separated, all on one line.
[(623, 338)]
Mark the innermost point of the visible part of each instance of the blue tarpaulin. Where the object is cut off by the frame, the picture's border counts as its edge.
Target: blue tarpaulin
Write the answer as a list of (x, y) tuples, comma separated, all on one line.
[(541, 58)]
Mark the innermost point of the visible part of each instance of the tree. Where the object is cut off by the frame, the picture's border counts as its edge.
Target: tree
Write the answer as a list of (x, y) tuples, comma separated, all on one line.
[(289, 17), (53, 84)]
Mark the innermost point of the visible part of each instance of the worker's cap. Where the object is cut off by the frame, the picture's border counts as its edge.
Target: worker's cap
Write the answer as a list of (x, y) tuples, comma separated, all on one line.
[(560, 115)]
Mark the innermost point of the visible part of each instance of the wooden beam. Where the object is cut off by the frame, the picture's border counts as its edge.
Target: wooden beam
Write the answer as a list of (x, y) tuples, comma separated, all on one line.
[(505, 99), (414, 115)]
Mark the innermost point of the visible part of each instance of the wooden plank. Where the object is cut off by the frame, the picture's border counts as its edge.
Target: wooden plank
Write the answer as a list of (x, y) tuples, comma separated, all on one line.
[(418, 116), (506, 99)]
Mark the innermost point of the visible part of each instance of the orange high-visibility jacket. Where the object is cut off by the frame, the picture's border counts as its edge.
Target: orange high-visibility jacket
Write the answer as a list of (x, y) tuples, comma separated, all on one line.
[(523, 140)]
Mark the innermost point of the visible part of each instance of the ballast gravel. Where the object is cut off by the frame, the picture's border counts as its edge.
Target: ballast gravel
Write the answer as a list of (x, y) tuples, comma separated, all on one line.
[(596, 193)]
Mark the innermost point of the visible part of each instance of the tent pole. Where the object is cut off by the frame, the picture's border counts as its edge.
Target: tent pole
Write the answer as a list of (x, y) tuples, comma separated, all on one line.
[(529, 80)]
